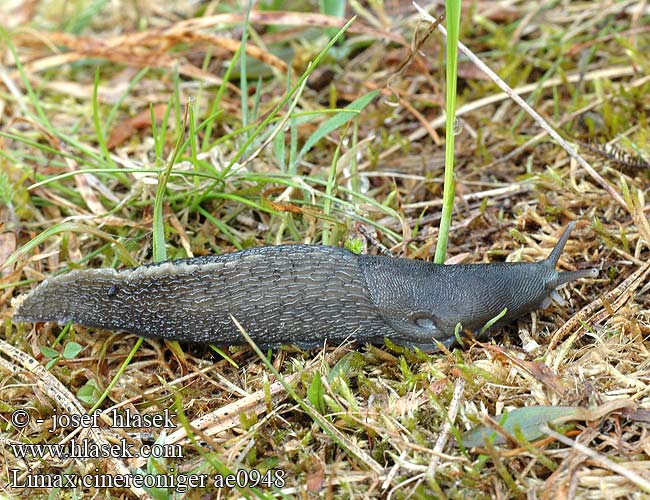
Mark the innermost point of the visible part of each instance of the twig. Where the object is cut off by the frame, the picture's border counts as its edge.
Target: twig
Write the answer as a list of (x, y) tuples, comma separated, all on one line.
[(63, 398), (612, 301), (441, 442), (601, 460), (465, 109), (540, 121)]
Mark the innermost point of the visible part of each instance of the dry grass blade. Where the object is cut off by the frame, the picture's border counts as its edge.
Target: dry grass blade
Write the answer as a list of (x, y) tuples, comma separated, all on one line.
[(340, 438), (304, 19), (132, 54), (601, 460), (64, 399), (227, 417), (536, 116), (441, 442), (614, 72), (620, 72), (610, 301)]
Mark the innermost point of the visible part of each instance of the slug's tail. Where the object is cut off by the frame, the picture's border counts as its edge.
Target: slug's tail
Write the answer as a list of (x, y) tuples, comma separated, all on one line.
[(69, 297)]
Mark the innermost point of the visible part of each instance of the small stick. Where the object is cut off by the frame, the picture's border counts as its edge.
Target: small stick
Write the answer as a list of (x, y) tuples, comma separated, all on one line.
[(540, 121)]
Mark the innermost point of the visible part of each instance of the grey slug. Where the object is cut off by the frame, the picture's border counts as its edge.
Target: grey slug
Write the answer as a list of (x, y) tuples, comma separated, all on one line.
[(299, 294)]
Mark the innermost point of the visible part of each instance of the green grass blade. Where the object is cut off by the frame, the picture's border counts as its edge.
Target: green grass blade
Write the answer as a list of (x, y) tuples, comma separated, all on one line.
[(337, 121), (62, 228), (159, 251), (299, 84), (99, 130), (453, 26), (243, 79)]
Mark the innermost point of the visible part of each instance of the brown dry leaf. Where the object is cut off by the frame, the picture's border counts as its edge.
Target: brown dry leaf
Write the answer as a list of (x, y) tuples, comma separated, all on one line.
[(637, 415), (469, 71), (18, 12), (232, 46), (458, 259), (540, 371), (304, 19), (130, 49), (227, 417), (85, 47), (499, 11), (292, 208), (145, 49), (580, 47), (286, 207), (182, 233), (86, 192), (543, 374), (127, 128)]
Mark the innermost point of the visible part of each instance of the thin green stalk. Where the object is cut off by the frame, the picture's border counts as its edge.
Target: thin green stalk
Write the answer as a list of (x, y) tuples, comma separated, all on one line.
[(108, 121), (117, 376), (453, 25), (355, 183), (63, 228), (192, 138), (214, 107), (299, 84), (99, 131), (159, 250), (331, 186), (333, 433), (243, 79)]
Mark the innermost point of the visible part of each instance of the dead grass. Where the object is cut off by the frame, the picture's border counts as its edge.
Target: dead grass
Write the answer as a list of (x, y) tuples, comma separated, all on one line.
[(80, 169)]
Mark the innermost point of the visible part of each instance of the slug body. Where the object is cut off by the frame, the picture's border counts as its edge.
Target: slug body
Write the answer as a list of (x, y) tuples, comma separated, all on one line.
[(298, 294)]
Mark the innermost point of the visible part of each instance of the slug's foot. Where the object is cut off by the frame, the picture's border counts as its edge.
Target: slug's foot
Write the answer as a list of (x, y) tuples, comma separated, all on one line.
[(447, 344)]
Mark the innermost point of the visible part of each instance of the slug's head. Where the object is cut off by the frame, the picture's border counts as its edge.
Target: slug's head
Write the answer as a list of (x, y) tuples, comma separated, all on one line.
[(519, 288), (553, 279), (423, 302)]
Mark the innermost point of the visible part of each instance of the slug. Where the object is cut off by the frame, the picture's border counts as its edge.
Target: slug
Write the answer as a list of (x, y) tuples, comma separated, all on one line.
[(299, 294)]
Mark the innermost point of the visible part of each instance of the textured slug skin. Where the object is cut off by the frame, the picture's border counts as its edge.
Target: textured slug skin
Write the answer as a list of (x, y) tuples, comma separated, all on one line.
[(288, 294), (298, 294)]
